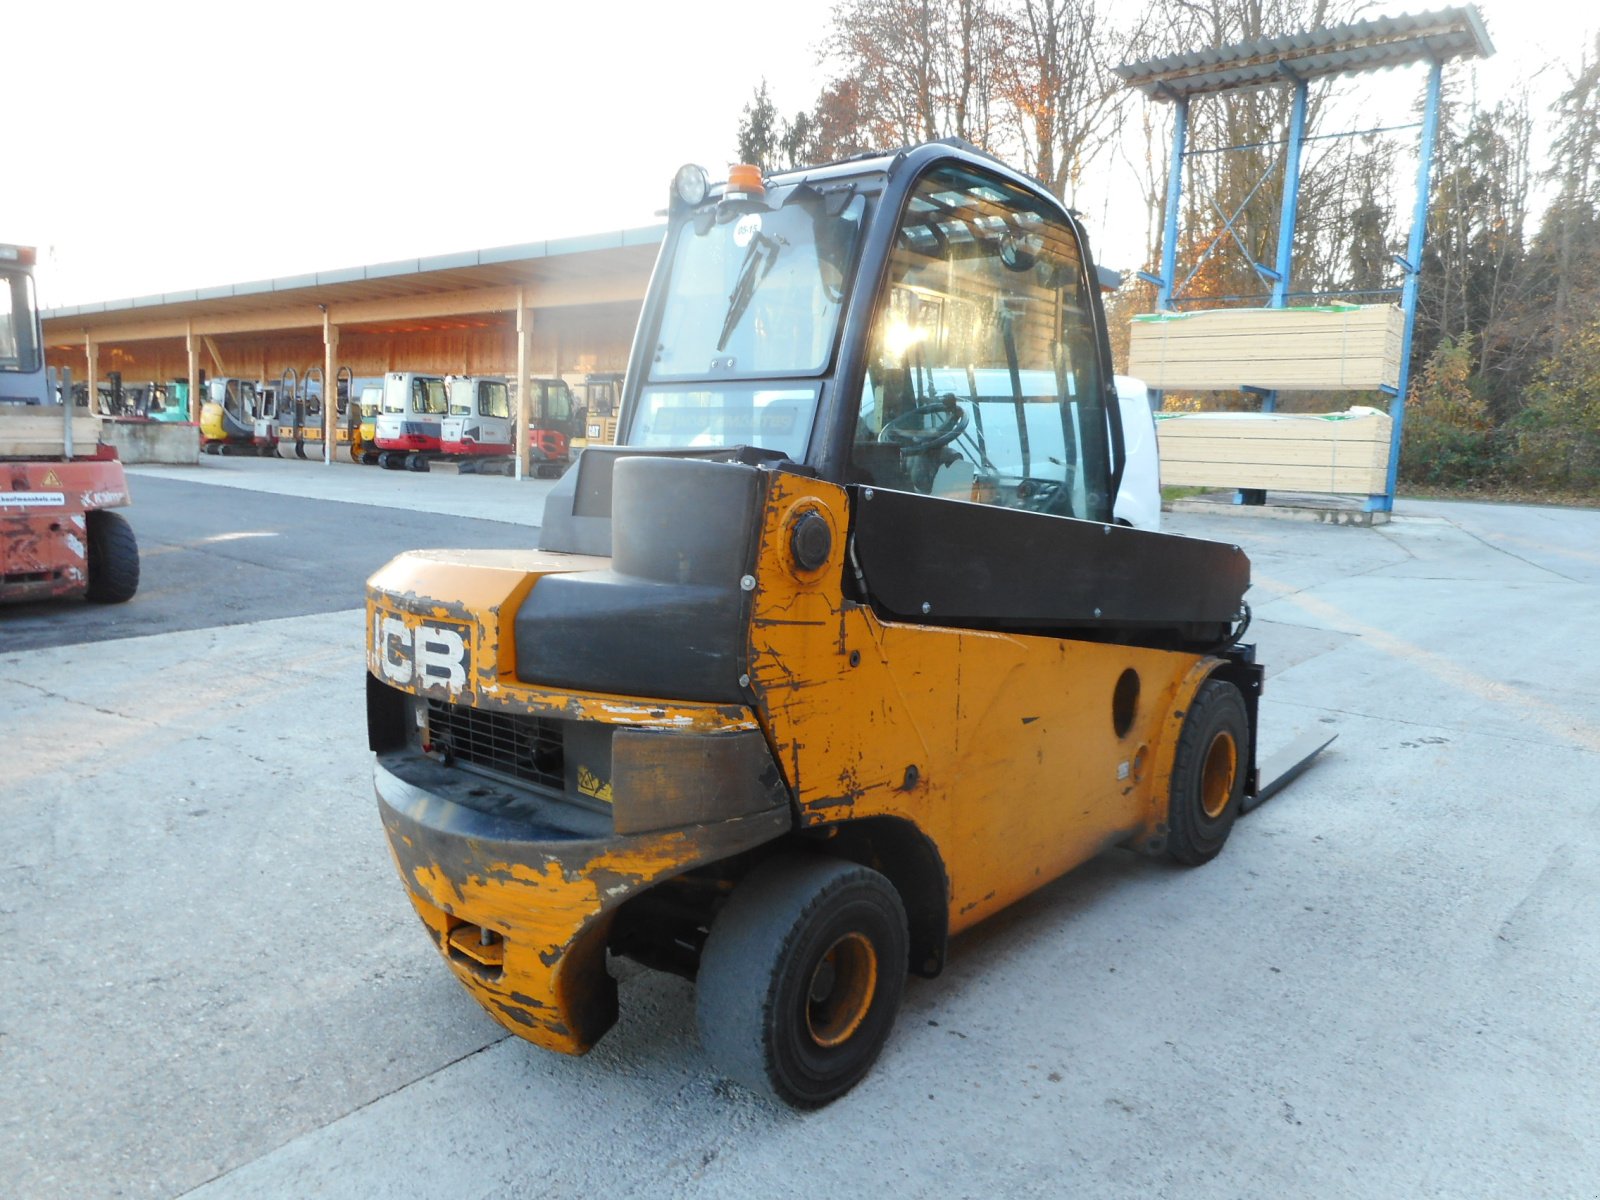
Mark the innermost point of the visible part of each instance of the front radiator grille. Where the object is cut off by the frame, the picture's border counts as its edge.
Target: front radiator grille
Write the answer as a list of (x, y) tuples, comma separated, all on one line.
[(523, 747)]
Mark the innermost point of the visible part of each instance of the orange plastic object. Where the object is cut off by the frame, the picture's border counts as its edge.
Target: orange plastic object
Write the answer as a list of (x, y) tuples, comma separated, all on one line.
[(744, 177)]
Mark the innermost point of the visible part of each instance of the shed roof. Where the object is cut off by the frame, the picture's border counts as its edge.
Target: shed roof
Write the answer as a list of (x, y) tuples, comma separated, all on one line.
[(596, 266), (1372, 45)]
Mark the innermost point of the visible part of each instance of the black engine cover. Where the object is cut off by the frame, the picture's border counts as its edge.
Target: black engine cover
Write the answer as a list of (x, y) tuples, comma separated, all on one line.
[(948, 562), (669, 620)]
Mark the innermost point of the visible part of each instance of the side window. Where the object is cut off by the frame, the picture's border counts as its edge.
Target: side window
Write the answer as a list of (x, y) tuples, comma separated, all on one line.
[(558, 404), (433, 396), (492, 400), (983, 378)]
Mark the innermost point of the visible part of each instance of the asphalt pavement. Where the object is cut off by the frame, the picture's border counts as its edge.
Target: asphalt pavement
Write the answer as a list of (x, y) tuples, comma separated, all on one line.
[(211, 983), (228, 552)]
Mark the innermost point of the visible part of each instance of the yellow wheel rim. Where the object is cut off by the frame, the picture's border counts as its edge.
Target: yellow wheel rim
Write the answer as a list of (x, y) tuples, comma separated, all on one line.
[(1216, 778), (842, 986)]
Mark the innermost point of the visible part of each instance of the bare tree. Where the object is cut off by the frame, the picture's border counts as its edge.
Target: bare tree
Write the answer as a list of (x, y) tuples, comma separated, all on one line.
[(1234, 191), (1066, 108), (897, 52)]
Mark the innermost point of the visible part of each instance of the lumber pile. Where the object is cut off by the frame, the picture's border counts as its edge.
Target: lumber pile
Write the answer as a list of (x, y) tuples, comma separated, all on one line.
[(1344, 452), (1351, 346), (27, 431)]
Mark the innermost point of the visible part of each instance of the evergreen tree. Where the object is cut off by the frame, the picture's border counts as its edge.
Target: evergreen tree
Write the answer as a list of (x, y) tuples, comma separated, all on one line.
[(759, 136)]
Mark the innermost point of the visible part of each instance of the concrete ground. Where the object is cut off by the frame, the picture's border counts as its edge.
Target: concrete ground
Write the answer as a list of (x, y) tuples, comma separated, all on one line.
[(211, 982)]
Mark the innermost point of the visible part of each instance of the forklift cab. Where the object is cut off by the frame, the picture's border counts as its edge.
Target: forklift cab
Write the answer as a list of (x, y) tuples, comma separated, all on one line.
[(924, 323)]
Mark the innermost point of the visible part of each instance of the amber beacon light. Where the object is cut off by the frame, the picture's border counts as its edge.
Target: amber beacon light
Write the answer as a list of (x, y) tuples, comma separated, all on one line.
[(745, 179)]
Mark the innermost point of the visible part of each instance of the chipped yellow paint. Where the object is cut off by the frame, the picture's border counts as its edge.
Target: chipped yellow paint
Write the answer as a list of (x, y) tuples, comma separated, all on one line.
[(543, 975), (482, 589), (549, 919), (999, 747)]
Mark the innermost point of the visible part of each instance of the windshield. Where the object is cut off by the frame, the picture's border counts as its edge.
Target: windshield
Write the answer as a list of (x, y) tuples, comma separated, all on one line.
[(19, 349), (427, 395), (494, 399), (758, 293), (394, 394), (557, 402), (461, 397), (237, 396), (727, 415)]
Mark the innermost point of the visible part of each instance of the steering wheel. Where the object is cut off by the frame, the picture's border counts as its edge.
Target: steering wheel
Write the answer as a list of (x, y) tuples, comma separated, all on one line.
[(899, 431), (1047, 495)]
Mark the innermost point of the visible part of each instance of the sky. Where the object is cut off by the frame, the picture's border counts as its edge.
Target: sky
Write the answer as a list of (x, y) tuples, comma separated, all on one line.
[(171, 145)]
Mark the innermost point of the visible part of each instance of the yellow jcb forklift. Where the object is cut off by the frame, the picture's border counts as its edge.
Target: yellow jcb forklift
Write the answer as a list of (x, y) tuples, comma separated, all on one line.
[(839, 651)]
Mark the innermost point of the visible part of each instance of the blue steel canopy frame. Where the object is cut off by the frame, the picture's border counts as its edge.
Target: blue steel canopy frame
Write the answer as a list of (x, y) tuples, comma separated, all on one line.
[(1294, 60)]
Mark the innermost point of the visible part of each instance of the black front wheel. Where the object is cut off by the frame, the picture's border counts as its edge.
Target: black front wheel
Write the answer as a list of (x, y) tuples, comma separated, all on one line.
[(801, 978), (1208, 773), (113, 558)]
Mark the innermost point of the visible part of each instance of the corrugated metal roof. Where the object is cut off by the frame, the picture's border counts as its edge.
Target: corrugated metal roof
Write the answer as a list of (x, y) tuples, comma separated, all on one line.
[(350, 277), (1337, 49)]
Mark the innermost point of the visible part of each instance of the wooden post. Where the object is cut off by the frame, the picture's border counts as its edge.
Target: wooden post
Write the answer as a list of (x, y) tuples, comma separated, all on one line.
[(524, 388), (91, 354), (193, 353), (330, 384)]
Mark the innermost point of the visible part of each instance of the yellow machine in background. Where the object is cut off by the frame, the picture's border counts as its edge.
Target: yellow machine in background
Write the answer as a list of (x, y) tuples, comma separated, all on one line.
[(840, 650), (228, 416)]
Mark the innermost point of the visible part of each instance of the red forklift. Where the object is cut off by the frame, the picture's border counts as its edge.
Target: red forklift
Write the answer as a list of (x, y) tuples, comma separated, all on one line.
[(58, 536)]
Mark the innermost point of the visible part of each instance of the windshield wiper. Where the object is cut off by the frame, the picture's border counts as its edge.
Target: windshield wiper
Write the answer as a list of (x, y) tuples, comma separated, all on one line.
[(751, 273)]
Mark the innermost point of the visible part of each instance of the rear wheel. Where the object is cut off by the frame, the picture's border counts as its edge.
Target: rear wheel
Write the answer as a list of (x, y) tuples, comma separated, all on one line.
[(113, 558), (1208, 773), (801, 978)]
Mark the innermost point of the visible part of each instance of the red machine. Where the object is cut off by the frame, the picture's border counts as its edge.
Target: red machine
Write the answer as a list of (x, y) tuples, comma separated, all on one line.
[(57, 483)]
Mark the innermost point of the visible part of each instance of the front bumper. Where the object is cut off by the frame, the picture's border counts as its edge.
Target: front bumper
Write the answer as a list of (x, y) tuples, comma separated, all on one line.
[(518, 889)]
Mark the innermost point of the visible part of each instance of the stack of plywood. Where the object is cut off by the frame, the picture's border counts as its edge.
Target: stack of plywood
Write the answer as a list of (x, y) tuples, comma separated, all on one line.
[(1344, 452), (1353, 346), (28, 431)]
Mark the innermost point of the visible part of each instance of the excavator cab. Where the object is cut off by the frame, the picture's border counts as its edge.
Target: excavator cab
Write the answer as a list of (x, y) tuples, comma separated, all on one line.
[(228, 416), (840, 650)]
